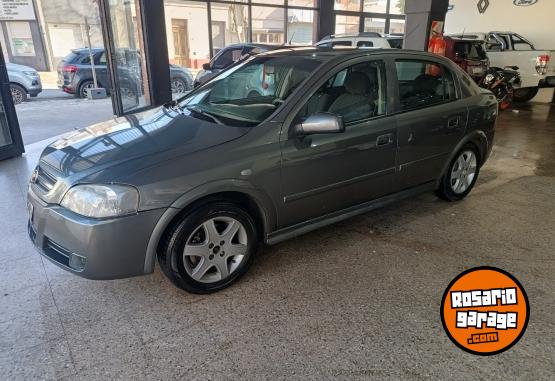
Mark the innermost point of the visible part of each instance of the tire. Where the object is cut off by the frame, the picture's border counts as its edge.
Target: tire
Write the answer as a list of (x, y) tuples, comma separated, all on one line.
[(456, 185), (525, 94), (193, 254), (179, 86), (19, 94), (82, 93)]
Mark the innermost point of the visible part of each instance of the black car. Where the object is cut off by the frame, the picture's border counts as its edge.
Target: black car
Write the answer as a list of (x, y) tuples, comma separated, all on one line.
[(227, 57), (75, 73), (199, 183)]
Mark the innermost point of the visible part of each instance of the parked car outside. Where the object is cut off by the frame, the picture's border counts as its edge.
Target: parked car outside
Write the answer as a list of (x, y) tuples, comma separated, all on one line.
[(23, 80), (199, 183), (227, 57), (359, 40), (506, 49), (75, 74)]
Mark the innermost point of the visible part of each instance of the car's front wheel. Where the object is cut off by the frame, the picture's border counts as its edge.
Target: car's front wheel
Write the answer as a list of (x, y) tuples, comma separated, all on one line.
[(460, 177), (179, 86), (210, 248), (19, 95)]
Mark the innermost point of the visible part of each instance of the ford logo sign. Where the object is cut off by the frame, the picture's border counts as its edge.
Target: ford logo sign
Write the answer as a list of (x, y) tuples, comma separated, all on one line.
[(524, 3)]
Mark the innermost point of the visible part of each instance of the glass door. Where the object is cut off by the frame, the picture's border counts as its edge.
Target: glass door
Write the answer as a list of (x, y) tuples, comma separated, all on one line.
[(10, 136), (126, 55)]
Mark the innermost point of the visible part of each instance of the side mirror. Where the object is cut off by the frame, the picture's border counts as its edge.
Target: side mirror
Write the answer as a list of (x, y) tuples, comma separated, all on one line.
[(321, 123), (206, 66)]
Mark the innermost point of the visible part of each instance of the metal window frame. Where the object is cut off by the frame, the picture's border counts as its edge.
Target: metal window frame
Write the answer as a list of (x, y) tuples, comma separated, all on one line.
[(16, 148)]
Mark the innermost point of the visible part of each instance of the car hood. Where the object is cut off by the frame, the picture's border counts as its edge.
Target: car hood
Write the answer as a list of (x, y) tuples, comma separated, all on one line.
[(140, 140), (16, 67)]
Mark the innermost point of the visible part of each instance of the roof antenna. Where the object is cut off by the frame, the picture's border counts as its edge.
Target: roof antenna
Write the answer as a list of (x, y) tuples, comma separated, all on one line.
[(464, 30), (291, 39)]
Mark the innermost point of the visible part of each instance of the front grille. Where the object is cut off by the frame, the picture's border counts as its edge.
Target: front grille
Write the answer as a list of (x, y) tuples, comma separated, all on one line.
[(45, 180)]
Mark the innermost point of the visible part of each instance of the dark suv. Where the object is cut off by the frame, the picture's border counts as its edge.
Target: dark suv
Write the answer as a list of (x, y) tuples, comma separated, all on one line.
[(75, 74), (202, 181)]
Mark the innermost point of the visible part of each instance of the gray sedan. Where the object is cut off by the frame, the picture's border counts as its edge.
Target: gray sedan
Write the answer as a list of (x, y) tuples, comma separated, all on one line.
[(23, 80), (200, 183)]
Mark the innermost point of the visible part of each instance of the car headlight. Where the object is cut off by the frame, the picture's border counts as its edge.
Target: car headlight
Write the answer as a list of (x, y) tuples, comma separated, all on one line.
[(489, 79), (33, 74), (102, 201)]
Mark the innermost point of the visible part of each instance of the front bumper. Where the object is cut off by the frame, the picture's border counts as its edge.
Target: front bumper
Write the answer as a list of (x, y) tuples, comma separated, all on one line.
[(94, 249)]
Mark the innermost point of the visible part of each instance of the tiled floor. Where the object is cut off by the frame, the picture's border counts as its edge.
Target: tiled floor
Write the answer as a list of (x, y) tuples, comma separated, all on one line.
[(357, 300)]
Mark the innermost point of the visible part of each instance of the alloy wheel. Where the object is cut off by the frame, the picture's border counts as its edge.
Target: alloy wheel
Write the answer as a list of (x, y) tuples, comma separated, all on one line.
[(178, 86), (215, 249), (18, 95), (463, 172), (84, 89)]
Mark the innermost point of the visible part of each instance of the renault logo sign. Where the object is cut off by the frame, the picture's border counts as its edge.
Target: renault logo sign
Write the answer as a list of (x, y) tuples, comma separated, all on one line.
[(524, 3)]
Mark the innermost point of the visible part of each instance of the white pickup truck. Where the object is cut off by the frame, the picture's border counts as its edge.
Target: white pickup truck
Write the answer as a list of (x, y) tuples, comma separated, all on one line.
[(536, 67)]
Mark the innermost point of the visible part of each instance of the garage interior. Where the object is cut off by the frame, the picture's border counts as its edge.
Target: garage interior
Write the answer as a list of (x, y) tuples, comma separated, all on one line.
[(356, 300)]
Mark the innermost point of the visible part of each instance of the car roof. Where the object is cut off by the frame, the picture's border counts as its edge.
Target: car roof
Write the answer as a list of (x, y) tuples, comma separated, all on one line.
[(86, 50), (256, 45), (346, 52)]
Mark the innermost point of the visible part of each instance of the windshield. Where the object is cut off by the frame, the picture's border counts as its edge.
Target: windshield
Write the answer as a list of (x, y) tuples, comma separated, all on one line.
[(247, 94)]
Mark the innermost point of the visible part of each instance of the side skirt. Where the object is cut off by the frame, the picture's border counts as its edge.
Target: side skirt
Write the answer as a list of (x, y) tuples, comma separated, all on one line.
[(328, 219)]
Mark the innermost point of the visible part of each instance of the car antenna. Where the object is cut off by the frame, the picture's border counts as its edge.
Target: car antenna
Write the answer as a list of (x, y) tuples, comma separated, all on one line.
[(291, 39)]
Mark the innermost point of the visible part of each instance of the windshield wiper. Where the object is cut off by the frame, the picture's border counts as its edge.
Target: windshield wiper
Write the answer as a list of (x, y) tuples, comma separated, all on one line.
[(203, 113)]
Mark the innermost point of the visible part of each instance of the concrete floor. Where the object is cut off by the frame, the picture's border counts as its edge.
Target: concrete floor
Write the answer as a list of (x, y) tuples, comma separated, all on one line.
[(357, 300)]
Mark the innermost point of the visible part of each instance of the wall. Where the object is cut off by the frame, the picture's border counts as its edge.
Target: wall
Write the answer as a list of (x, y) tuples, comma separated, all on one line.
[(534, 22)]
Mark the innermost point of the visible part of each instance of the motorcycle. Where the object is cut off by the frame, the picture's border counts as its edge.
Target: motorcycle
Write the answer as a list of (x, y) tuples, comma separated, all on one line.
[(501, 82)]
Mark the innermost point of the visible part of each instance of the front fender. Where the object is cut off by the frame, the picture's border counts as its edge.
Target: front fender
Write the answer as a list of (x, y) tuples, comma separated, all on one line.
[(262, 200)]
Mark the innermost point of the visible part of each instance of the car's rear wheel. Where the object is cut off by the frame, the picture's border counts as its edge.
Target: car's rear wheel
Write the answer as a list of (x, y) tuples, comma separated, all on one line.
[(19, 94), (210, 248), (83, 88), (179, 86), (525, 94), (460, 177)]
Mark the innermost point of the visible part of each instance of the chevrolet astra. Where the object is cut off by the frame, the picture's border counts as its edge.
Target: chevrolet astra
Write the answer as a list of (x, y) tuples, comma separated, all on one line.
[(201, 182)]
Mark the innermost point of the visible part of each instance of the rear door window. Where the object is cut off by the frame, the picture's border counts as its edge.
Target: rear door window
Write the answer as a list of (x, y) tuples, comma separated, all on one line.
[(423, 84)]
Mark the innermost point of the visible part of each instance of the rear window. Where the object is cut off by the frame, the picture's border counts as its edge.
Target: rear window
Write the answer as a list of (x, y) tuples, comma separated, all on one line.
[(70, 57)]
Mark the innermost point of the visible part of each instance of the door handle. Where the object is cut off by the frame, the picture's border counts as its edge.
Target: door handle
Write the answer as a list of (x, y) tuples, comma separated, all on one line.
[(453, 122), (383, 140)]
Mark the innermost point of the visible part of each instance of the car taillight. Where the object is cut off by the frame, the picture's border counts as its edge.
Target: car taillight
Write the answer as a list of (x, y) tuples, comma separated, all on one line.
[(70, 69), (541, 64)]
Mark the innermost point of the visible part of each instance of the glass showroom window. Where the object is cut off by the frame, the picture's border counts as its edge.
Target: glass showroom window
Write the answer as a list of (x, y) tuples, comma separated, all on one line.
[(397, 7), (375, 6), (301, 28), (268, 25), (347, 5), (396, 26), (372, 24), (346, 24), (303, 3), (187, 33), (230, 25)]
